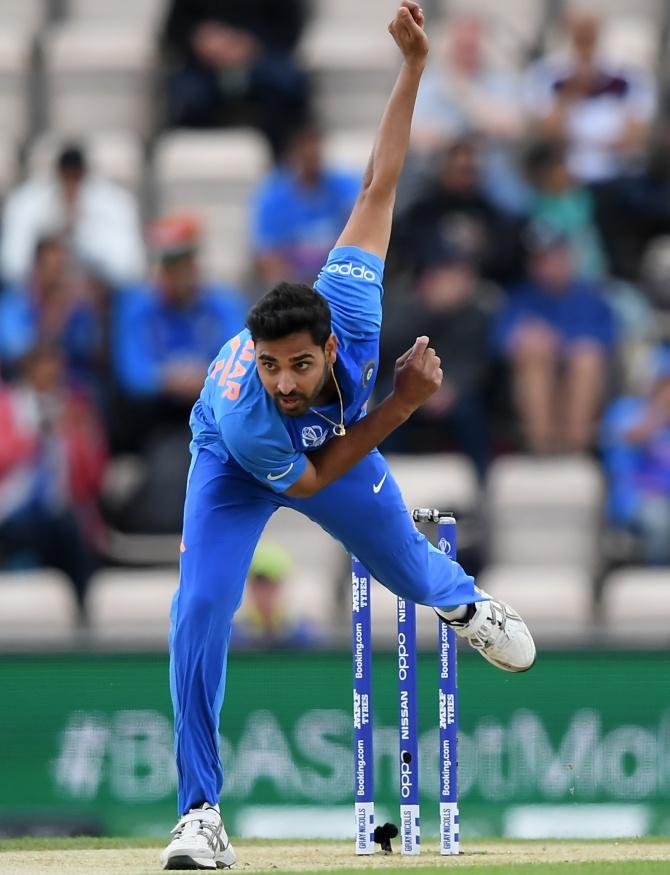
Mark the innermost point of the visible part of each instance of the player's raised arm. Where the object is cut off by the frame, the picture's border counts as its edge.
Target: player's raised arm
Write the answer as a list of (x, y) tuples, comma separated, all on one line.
[(369, 225)]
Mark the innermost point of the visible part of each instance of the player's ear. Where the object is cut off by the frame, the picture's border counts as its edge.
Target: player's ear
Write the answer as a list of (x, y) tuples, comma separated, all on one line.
[(330, 349)]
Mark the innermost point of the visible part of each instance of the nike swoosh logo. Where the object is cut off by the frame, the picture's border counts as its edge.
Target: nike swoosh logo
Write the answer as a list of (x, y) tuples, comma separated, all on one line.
[(283, 474), (379, 485)]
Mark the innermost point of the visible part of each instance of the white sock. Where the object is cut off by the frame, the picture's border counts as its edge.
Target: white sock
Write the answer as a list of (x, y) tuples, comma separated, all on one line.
[(454, 612)]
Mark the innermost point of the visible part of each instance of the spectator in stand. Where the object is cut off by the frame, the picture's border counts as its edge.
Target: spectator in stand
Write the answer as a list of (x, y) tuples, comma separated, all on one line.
[(455, 206), (164, 337), (453, 305), (603, 112), (263, 622), (226, 57), (561, 203), (52, 460), (299, 211), (557, 332), (634, 210), (461, 93), (98, 219), (636, 453), (55, 307)]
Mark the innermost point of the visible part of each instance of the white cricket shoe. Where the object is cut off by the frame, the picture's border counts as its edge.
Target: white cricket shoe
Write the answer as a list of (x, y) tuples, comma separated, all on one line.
[(199, 841), (498, 633)]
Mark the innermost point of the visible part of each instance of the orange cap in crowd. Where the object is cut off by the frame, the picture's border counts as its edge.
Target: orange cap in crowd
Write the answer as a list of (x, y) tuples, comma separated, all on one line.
[(175, 235)]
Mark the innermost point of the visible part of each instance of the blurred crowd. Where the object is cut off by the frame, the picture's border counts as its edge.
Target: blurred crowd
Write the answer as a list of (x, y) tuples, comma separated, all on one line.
[(531, 241)]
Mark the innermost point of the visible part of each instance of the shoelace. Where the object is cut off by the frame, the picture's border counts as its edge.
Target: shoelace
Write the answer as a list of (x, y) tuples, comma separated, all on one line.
[(485, 631), (200, 826)]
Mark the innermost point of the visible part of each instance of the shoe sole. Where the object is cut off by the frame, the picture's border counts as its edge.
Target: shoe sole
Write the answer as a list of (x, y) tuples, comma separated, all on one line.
[(506, 666), (184, 862)]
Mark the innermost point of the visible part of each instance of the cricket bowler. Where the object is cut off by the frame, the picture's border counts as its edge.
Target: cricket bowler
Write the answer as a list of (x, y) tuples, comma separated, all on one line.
[(282, 422)]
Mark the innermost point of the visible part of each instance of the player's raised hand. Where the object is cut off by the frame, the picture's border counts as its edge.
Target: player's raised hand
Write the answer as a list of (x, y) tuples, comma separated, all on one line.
[(417, 375), (407, 30)]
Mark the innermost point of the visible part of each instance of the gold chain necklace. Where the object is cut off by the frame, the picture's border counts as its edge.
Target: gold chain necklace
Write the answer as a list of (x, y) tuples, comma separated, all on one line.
[(338, 427)]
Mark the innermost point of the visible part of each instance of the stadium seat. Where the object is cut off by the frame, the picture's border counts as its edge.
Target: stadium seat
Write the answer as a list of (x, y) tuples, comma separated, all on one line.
[(310, 594), (98, 78), (131, 604), (352, 69), (134, 604), (237, 156), (15, 55), (635, 603), (347, 12), (544, 511), (36, 607), (349, 150), (650, 10), (305, 541), (556, 601), (213, 175), (114, 154), (144, 14), (26, 16), (446, 481), (629, 40)]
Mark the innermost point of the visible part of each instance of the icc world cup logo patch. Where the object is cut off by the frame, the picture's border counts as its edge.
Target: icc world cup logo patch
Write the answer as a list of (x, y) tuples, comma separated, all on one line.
[(313, 436)]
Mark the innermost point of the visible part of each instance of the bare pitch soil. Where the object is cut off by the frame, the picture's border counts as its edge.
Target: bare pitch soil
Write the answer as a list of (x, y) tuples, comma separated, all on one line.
[(76, 858)]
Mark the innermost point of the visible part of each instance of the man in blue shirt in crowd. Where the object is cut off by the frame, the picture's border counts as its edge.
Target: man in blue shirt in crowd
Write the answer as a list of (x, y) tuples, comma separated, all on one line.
[(557, 332), (636, 452), (55, 307), (281, 422), (299, 210), (166, 333)]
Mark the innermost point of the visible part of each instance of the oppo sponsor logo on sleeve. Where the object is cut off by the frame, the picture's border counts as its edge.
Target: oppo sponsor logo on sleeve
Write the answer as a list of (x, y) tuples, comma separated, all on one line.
[(355, 271)]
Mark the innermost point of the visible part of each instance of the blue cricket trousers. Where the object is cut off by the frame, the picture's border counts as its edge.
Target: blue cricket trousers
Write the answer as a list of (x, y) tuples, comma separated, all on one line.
[(225, 512)]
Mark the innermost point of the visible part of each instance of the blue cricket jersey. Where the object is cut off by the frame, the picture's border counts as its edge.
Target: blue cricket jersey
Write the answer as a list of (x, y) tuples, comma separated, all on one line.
[(236, 418)]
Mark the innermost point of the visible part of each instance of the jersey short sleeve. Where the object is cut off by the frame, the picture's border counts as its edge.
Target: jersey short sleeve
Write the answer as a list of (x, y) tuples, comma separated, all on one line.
[(351, 281), (261, 445)]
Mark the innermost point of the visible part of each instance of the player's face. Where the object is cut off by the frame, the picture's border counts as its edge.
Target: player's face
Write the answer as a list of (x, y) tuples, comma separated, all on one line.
[(294, 370)]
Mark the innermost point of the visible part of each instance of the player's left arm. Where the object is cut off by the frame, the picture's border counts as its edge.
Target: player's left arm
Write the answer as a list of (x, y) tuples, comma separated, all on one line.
[(369, 226)]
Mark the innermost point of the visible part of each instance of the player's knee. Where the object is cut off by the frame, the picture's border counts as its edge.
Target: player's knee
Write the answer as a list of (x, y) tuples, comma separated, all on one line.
[(203, 605), (419, 589), (410, 578)]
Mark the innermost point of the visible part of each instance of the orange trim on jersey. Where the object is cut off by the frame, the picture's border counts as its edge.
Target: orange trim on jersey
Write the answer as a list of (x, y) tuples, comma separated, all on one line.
[(225, 366)]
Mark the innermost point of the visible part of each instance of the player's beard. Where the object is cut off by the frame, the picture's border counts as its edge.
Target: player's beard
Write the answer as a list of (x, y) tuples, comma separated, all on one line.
[(307, 400)]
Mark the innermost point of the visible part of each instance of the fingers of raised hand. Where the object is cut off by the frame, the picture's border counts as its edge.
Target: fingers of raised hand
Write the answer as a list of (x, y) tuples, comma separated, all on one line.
[(415, 10), (412, 18), (420, 346), (408, 21)]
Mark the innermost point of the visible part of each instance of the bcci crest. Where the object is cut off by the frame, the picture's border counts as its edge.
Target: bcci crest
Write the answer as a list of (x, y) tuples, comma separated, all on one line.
[(313, 436), (367, 373)]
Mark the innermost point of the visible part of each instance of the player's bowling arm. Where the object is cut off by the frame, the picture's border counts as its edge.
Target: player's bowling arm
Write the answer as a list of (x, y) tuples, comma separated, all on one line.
[(369, 226), (417, 376)]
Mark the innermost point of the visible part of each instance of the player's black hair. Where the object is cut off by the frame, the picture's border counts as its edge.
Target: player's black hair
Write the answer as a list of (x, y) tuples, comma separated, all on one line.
[(287, 309)]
